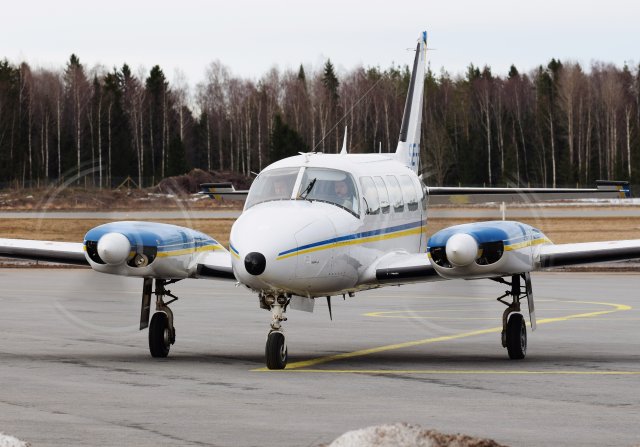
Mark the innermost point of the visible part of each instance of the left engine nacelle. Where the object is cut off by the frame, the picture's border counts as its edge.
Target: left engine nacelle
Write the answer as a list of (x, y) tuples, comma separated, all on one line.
[(145, 249), (485, 249)]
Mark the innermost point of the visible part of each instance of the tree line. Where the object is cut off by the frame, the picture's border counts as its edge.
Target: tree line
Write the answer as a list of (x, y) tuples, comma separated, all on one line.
[(558, 125)]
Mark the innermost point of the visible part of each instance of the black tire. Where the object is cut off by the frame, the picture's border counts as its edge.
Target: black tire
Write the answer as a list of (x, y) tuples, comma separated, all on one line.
[(276, 351), (516, 337), (159, 335)]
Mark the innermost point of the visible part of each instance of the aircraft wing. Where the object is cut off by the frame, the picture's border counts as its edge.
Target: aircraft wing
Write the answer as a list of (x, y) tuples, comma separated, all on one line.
[(61, 252), (412, 268), (561, 255), (215, 265), (209, 264), (405, 268)]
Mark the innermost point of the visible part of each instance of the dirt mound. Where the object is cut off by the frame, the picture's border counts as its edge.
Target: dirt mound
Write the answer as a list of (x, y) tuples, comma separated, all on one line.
[(406, 435), (190, 182)]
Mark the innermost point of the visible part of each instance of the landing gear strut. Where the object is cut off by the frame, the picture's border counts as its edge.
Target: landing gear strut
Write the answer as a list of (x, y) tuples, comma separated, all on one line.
[(162, 333), (514, 329), (275, 350)]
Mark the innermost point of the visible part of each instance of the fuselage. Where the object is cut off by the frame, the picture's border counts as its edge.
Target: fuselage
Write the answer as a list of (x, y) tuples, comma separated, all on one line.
[(325, 239)]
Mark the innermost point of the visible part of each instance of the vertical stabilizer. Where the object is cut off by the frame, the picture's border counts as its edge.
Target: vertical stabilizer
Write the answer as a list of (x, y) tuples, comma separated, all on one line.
[(408, 151)]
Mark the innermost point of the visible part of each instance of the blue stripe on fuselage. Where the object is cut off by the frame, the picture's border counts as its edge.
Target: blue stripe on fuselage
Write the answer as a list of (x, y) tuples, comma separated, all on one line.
[(354, 236)]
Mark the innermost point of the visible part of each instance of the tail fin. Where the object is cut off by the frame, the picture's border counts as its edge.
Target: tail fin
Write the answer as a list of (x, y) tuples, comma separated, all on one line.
[(408, 151)]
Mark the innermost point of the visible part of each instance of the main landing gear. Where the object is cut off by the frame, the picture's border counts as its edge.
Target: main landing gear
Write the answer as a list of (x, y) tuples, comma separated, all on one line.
[(275, 350), (162, 333), (514, 329)]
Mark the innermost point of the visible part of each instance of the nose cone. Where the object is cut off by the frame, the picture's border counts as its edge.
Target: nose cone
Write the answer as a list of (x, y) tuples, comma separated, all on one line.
[(462, 249), (114, 248), (255, 263)]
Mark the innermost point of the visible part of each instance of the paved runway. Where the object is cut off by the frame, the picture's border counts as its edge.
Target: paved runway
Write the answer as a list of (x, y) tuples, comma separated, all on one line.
[(74, 370)]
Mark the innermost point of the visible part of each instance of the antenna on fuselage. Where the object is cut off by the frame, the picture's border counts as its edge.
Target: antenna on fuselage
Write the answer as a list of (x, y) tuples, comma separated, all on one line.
[(344, 142)]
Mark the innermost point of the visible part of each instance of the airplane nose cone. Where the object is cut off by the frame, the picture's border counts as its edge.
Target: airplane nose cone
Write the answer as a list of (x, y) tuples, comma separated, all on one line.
[(114, 248), (462, 249), (255, 263)]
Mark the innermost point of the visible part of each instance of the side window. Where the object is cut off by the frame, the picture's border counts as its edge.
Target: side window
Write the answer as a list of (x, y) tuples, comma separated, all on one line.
[(395, 193), (370, 194), (409, 192), (382, 194)]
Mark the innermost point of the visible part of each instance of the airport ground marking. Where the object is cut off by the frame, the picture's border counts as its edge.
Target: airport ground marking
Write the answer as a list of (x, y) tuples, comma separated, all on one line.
[(306, 364), (462, 372)]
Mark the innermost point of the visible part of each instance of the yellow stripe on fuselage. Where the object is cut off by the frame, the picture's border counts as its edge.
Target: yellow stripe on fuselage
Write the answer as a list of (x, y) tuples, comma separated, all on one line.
[(525, 244), (186, 251), (364, 240)]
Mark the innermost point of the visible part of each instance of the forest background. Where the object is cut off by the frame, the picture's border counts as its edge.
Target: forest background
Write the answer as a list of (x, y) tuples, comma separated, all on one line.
[(559, 125)]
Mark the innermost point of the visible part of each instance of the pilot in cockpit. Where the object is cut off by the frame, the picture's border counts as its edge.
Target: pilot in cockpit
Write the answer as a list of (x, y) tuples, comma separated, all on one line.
[(344, 195)]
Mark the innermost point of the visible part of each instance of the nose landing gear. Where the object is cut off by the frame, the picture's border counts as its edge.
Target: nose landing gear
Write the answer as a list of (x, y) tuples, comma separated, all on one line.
[(275, 350)]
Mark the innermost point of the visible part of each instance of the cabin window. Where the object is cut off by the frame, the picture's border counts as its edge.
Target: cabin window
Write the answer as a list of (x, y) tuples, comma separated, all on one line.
[(395, 193), (383, 195), (370, 194), (409, 192), (274, 184), (331, 186)]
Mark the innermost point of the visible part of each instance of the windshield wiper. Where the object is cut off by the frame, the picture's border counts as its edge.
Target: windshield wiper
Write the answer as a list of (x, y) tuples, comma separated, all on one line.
[(307, 190)]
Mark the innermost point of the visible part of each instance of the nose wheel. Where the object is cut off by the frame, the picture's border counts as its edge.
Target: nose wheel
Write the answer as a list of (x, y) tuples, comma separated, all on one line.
[(275, 351)]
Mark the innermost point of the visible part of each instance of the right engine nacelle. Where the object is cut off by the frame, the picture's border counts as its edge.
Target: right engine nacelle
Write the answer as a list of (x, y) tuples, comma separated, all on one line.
[(485, 249)]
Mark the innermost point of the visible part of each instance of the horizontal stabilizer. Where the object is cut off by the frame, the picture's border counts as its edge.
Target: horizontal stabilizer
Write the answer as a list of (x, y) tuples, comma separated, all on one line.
[(460, 196), (222, 191)]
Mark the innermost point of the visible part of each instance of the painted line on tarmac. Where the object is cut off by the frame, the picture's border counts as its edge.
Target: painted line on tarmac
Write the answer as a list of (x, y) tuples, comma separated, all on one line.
[(461, 372), (466, 334)]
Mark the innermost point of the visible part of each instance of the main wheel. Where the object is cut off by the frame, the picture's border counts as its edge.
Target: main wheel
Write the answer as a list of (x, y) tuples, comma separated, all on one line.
[(276, 351), (516, 337), (159, 335)]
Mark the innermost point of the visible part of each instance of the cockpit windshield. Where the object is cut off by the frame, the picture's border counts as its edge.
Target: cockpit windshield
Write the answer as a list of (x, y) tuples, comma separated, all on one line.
[(329, 185), (317, 184), (276, 184)]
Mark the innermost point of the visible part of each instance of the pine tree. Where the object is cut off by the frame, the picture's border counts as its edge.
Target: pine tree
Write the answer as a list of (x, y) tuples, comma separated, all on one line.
[(330, 82), (284, 141), (301, 75), (177, 160)]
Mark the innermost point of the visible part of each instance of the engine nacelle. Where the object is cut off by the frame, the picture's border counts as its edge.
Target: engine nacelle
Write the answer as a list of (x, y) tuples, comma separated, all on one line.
[(146, 249), (485, 249)]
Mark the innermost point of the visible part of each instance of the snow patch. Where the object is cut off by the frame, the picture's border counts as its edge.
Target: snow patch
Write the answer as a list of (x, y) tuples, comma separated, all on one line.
[(10, 441), (406, 435)]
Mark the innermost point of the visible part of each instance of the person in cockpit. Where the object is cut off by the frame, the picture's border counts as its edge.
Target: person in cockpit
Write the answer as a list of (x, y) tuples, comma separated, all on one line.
[(344, 195)]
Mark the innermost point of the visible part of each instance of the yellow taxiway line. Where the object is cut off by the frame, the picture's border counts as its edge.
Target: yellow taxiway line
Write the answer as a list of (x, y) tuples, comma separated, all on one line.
[(363, 352), (460, 372)]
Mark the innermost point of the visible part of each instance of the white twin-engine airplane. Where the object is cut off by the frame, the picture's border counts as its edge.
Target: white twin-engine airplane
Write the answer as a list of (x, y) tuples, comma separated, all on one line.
[(323, 225)]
